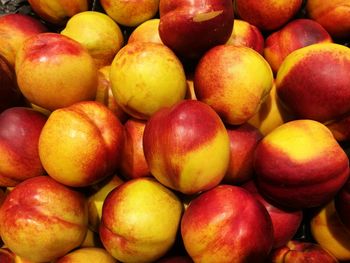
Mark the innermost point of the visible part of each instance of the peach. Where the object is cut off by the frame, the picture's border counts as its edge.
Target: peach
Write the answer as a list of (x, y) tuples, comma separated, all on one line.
[(313, 82), (340, 128), (243, 141), (332, 15), (105, 96), (42, 219), (7, 256), (58, 11), (271, 114), (342, 204), (227, 224), (267, 14), (146, 32), (133, 163), (145, 71), (95, 200), (330, 233), (300, 252), (54, 71), (129, 12), (296, 34), (20, 129), (83, 255), (80, 145), (245, 34), (98, 33), (223, 79), (92, 239), (187, 147), (140, 219), (300, 164), (14, 30)]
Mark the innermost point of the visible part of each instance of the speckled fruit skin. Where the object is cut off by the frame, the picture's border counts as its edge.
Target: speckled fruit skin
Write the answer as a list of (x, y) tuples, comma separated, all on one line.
[(306, 85), (187, 147), (89, 254), (140, 220), (80, 145), (20, 129), (223, 79), (191, 27), (342, 204), (14, 30), (299, 252), (332, 15), (267, 14), (58, 11), (54, 71), (300, 164), (56, 214), (145, 71), (296, 34), (227, 224)]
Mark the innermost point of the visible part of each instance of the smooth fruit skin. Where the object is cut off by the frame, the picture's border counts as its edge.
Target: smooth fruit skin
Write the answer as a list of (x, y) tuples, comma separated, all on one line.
[(328, 231), (342, 204), (54, 71), (296, 34), (20, 129), (81, 145), (98, 33), (300, 252), (300, 165), (267, 14), (223, 79), (245, 34), (144, 71), (83, 255), (146, 32), (306, 85), (140, 220), (14, 30), (226, 224), (191, 27), (332, 15), (130, 13), (187, 147), (58, 11), (41, 219)]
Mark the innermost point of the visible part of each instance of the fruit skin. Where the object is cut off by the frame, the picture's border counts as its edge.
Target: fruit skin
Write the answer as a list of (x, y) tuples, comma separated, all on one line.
[(243, 141), (223, 80), (187, 147), (300, 165), (54, 71), (342, 204), (245, 34), (145, 71), (133, 163), (56, 214), (14, 30), (98, 33), (296, 34), (80, 145), (328, 231), (140, 219), (285, 221), (130, 13), (305, 85), (83, 255), (20, 128), (10, 95), (190, 28), (267, 14), (332, 15), (146, 32), (227, 224), (58, 11), (300, 252)]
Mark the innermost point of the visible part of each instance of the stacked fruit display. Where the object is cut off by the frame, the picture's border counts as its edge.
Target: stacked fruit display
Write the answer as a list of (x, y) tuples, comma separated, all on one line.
[(175, 131)]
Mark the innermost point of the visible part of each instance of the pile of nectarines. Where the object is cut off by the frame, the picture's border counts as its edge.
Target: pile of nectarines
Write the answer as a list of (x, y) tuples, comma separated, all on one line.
[(175, 131)]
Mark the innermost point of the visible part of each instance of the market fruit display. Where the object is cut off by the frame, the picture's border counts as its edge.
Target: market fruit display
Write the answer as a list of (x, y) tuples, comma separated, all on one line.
[(173, 131)]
